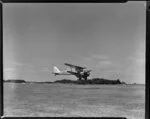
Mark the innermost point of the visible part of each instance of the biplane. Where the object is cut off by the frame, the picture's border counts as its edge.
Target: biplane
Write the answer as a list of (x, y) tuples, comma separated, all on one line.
[(78, 71)]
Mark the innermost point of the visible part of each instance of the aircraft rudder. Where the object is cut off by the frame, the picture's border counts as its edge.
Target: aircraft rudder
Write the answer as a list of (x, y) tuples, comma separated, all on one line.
[(56, 70)]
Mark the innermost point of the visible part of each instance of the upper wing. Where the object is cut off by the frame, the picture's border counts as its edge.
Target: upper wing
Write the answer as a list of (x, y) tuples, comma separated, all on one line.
[(74, 66)]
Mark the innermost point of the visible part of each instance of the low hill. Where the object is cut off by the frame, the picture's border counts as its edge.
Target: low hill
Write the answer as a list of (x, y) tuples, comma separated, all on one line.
[(68, 81), (90, 81), (15, 81)]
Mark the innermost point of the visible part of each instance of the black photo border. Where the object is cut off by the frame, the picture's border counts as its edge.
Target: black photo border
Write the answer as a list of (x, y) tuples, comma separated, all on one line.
[(147, 56)]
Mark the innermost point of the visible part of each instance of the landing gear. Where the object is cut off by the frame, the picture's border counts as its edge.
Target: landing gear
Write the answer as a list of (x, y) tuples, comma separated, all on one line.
[(80, 78), (85, 78)]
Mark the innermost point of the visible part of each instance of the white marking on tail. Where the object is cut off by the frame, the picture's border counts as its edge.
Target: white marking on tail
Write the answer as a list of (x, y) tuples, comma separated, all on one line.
[(56, 70)]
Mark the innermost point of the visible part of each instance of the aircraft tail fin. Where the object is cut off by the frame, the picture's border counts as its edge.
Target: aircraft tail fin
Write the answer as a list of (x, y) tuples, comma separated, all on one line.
[(56, 70)]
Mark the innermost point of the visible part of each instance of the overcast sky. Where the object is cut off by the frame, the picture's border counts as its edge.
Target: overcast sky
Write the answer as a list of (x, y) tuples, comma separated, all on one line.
[(107, 38)]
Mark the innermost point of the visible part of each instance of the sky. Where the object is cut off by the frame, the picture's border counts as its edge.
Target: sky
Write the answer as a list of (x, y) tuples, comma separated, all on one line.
[(108, 38)]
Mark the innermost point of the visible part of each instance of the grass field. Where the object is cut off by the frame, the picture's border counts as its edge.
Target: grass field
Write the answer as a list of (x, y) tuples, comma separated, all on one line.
[(74, 100)]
